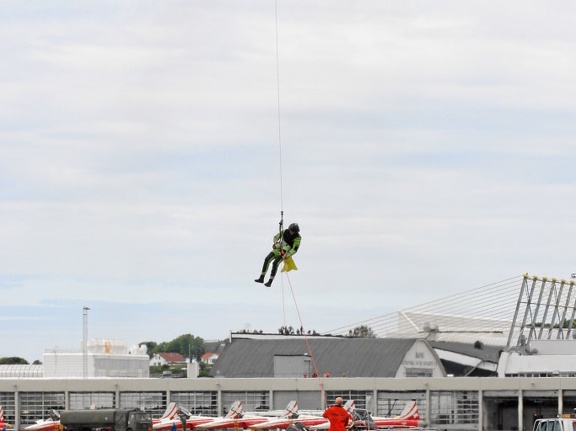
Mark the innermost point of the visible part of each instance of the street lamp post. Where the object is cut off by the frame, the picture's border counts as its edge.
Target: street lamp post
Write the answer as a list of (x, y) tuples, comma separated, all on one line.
[(85, 341)]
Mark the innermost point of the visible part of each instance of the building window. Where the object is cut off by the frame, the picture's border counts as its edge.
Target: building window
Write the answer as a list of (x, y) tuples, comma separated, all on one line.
[(37, 405), (251, 400), (456, 407), (198, 403), (153, 402), (88, 400)]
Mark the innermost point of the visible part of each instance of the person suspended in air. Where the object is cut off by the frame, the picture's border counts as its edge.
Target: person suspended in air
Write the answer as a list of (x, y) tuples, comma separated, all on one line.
[(286, 244)]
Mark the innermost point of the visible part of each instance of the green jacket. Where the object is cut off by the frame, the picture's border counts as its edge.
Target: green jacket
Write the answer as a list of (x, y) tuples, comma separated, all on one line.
[(288, 242)]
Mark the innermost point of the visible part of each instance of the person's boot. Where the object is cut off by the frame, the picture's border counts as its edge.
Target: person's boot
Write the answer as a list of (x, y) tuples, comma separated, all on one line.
[(260, 279), (269, 282)]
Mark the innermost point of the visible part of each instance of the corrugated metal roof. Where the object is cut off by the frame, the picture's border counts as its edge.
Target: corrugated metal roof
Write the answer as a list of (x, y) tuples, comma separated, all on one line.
[(21, 371), (354, 357), (213, 346)]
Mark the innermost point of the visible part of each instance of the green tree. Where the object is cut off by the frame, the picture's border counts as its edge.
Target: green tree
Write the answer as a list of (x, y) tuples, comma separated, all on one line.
[(11, 360), (150, 345), (187, 345), (362, 331), (204, 370)]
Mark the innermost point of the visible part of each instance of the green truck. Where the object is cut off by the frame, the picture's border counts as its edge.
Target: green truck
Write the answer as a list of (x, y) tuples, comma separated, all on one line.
[(106, 419)]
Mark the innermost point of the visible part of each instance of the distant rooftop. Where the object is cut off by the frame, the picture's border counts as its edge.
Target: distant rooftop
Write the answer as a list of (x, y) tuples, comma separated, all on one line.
[(21, 371)]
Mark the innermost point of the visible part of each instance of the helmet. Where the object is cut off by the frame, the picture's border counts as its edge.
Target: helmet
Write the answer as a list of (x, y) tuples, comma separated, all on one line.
[(294, 227)]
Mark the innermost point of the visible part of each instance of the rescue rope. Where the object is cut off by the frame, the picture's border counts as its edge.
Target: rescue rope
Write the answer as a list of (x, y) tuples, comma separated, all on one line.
[(320, 383)]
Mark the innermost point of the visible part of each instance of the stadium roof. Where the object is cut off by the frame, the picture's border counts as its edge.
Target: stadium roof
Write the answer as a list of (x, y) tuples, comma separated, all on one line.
[(481, 314)]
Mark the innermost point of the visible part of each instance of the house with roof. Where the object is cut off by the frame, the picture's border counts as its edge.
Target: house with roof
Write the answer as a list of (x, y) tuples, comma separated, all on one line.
[(167, 358), (209, 358), (212, 351), (277, 356)]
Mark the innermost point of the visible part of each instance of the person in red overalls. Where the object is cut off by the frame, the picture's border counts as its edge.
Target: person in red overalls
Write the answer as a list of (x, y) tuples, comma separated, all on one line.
[(339, 418)]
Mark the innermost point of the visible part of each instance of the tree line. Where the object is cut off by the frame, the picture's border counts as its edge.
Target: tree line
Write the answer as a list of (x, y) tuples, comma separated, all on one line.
[(187, 345), (193, 347)]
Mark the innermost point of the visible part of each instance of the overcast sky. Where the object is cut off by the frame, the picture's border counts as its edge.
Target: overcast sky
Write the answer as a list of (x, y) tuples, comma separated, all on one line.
[(425, 148)]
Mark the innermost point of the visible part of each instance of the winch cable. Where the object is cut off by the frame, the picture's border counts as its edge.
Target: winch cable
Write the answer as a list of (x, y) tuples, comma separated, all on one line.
[(280, 229), (281, 224), (279, 117)]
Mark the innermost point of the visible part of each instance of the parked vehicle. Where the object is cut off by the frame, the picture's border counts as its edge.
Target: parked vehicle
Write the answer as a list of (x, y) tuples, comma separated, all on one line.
[(109, 419), (555, 424)]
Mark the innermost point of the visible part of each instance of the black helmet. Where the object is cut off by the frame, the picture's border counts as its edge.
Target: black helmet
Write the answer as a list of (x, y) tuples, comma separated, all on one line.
[(294, 227)]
